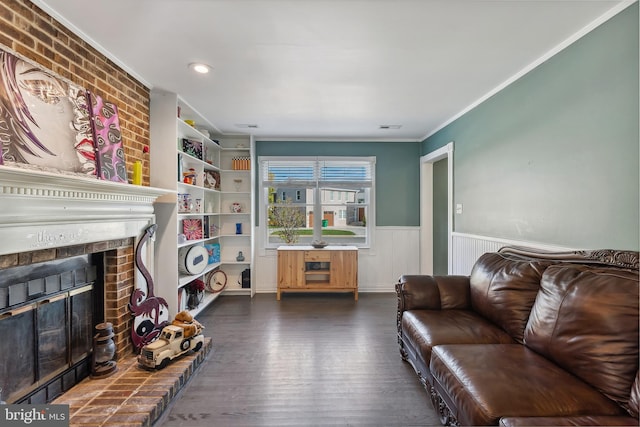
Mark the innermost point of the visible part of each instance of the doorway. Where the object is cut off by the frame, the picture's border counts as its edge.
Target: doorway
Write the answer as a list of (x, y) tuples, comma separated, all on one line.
[(432, 248)]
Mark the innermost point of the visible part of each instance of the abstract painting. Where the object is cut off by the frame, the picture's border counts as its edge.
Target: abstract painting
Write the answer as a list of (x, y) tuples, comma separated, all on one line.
[(44, 119)]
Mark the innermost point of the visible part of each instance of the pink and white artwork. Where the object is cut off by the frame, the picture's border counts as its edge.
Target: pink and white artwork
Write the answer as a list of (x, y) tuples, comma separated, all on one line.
[(108, 139)]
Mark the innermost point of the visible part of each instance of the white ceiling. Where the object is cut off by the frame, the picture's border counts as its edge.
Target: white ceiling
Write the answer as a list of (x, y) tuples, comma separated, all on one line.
[(330, 69)]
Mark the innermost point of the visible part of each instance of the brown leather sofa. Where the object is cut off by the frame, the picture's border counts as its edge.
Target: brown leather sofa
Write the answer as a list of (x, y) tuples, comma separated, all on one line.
[(527, 339)]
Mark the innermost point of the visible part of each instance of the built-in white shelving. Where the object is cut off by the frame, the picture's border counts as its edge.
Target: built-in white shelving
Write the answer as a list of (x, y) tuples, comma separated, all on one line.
[(208, 173)]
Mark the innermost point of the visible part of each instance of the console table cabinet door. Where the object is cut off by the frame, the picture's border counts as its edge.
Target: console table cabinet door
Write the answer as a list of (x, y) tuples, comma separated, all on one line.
[(344, 269), (291, 269)]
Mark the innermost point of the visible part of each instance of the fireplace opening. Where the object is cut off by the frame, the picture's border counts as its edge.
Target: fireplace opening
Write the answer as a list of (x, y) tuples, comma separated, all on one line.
[(48, 312)]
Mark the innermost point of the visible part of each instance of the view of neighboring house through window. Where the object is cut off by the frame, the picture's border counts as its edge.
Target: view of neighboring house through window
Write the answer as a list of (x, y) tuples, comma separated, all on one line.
[(341, 189)]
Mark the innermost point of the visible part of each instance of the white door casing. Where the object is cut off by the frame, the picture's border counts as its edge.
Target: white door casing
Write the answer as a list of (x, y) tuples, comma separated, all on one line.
[(426, 207)]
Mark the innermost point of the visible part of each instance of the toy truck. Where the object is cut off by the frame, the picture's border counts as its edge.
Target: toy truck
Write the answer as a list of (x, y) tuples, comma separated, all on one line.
[(183, 335)]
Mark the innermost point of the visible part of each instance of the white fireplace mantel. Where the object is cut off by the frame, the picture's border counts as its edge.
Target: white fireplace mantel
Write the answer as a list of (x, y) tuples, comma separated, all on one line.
[(40, 210)]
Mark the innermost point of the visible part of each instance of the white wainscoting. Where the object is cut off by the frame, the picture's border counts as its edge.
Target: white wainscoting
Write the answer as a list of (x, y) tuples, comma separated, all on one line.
[(467, 248), (396, 251)]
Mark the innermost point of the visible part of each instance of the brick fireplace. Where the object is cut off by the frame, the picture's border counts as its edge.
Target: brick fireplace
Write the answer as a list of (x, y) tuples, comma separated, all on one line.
[(47, 218)]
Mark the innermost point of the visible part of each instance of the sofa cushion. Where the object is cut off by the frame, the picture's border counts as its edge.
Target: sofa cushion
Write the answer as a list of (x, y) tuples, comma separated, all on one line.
[(585, 319), (425, 328), (504, 289), (434, 292), (480, 383)]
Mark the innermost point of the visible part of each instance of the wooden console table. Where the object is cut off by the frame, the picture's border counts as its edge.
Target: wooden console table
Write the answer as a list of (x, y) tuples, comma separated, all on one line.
[(306, 269)]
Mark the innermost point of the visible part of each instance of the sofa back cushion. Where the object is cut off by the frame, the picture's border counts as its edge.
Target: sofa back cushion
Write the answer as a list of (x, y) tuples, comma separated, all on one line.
[(585, 319), (504, 289)]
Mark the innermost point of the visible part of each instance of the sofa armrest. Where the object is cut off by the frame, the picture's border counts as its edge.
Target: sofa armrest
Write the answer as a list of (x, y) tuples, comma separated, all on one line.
[(433, 292)]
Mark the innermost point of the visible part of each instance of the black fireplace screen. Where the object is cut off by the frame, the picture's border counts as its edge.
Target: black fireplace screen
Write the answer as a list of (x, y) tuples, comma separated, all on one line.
[(46, 326)]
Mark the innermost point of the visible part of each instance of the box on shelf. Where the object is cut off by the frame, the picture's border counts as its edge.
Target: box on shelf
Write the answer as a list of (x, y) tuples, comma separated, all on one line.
[(241, 163)]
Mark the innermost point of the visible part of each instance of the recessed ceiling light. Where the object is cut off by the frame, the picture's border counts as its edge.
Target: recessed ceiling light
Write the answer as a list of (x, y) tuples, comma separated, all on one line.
[(390, 126), (199, 67)]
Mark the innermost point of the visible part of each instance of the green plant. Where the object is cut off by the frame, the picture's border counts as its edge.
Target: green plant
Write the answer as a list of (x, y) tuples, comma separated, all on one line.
[(287, 218)]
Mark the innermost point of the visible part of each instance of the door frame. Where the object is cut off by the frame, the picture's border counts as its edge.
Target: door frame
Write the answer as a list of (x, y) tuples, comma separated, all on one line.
[(426, 207)]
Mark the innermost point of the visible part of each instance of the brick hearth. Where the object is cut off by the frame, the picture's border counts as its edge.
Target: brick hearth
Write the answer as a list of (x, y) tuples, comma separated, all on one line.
[(132, 396)]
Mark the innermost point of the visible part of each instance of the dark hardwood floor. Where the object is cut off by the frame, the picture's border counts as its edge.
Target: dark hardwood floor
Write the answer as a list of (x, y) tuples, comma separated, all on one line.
[(307, 360)]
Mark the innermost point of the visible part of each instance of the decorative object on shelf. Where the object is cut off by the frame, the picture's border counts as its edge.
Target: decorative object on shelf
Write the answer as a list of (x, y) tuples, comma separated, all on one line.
[(198, 206), (210, 228), (192, 148), (208, 155), (195, 292), (216, 281), (136, 175), (192, 260), (286, 219), (240, 256), (213, 252), (150, 313), (184, 202), (216, 179), (236, 207), (209, 179), (182, 238), (238, 228), (245, 278), (192, 228), (319, 244), (237, 183), (46, 120), (107, 139), (189, 177), (104, 349), (191, 123)]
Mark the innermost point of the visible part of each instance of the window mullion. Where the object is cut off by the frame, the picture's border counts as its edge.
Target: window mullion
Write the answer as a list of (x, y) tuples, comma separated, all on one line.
[(317, 207)]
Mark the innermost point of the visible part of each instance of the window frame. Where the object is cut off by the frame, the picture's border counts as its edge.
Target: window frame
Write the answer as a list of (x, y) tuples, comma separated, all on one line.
[(319, 205)]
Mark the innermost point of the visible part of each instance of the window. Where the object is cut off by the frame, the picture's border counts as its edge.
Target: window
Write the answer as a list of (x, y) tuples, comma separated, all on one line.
[(339, 189)]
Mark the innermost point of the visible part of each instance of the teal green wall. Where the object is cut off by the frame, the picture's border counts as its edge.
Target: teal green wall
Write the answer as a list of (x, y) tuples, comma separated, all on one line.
[(397, 172), (554, 157)]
